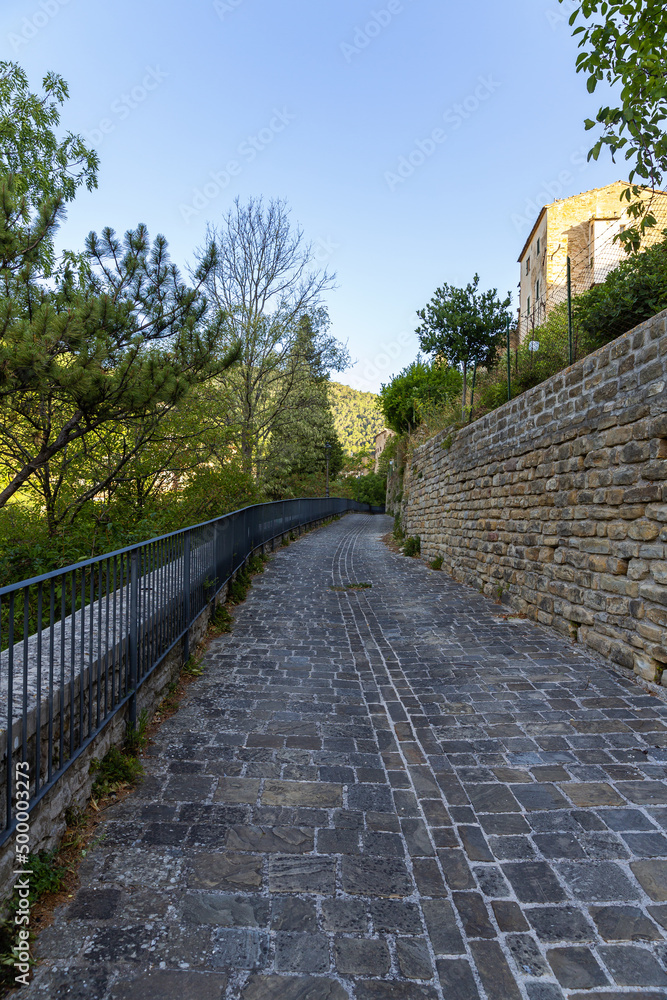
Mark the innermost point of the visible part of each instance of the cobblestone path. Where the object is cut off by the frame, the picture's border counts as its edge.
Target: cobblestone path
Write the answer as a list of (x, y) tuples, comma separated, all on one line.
[(387, 793)]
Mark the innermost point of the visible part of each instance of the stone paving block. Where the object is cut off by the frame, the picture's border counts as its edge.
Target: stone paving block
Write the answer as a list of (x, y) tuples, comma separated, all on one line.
[(293, 988), (232, 872), (652, 876), (534, 882), (288, 914), (494, 971), (302, 952), (457, 980), (302, 793), (560, 923), (361, 957), (239, 948), (289, 873), (624, 923), (414, 960), (237, 790), (633, 966), (367, 876), (223, 910), (398, 917), (370, 989), (576, 968), (169, 985), (590, 881), (262, 840)]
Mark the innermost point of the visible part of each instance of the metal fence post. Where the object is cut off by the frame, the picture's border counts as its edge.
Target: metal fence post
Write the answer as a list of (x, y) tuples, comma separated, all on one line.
[(134, 633), (509, 363), (186, 594), (217, 556), (569, 310)]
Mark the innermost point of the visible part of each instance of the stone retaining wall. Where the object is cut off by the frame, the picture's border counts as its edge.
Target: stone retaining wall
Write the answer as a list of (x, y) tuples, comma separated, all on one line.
[(556, 502)]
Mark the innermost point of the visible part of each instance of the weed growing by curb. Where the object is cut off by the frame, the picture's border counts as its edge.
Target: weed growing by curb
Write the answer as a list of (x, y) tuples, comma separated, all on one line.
[(413, 546), (436, 563)]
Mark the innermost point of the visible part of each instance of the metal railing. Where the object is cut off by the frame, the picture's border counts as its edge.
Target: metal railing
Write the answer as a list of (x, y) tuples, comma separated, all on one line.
[(77, 644)]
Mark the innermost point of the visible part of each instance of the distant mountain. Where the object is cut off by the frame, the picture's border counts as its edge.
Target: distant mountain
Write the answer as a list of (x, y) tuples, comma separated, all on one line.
[(356, 417)]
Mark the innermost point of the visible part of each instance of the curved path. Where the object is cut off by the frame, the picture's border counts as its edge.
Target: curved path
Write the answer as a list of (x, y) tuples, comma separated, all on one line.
[(382, 793)]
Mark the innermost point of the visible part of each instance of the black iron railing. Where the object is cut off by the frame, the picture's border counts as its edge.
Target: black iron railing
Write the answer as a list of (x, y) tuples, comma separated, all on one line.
[(77, 644)]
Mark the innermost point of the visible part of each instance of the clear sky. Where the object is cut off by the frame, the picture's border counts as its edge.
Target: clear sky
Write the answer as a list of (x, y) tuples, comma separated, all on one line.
[(415, 140)]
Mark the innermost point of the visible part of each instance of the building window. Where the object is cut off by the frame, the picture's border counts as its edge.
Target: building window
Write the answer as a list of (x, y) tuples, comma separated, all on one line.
[(538, 246), (528, 306), (537, 289), (528, 265)]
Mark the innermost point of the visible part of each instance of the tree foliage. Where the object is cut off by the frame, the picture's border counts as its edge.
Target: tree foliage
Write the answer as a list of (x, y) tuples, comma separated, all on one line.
[(417, 389), (357, 417), (624, 46), (464, 327), (123, 340), (265, 281)]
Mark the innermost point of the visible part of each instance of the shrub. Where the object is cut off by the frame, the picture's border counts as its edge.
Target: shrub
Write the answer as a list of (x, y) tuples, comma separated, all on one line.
[(116, 770), (370, 489), (419, 387), (413, 546), (436, 563)]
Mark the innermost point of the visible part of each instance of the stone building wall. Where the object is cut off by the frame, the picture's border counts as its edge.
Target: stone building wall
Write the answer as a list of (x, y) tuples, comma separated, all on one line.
[(556, 502)]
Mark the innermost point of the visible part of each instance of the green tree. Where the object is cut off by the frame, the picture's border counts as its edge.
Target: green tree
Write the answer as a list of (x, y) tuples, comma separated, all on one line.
[(464, 327), (356, 415), (266, 283), (125, 340), (418, 388), (624, 46), (39, 172)]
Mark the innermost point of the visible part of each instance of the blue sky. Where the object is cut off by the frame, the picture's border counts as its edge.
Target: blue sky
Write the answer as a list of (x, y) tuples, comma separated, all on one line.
[(415, 140)]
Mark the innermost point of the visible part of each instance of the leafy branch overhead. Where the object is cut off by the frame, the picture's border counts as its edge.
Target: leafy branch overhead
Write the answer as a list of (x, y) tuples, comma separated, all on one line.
[(624, 46)]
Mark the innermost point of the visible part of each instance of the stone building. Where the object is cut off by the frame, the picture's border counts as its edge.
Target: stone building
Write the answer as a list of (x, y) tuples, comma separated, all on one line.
[(381, 441), (582, 228)]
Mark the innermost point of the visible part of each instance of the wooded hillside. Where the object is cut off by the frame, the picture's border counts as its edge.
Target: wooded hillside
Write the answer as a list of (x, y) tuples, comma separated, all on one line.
[(356, 417)]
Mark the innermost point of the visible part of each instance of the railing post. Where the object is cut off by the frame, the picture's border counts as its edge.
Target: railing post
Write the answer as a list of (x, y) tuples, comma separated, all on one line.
[(186, 594), (134, 633), (217, 547)]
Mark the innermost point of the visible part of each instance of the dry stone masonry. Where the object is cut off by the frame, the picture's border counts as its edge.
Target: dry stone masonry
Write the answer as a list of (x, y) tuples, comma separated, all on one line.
[(557, 501)]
